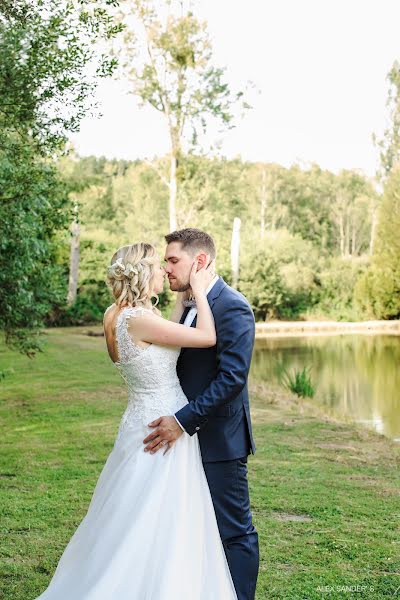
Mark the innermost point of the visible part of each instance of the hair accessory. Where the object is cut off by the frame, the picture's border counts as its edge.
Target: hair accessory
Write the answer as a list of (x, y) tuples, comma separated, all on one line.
[(118, 268)]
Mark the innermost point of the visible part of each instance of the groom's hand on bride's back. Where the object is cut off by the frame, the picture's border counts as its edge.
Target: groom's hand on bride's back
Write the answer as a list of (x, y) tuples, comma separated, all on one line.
[(166, 429)]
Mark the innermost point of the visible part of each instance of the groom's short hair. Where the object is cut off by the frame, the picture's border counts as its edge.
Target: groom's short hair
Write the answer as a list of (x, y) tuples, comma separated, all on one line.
[(193, 240)]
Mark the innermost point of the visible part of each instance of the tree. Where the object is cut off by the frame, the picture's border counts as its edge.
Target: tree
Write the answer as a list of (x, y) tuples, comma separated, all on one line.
[(298, 200), (176, 76), (89, 183), (378, 292), (351, 211), (261, 282), (263, 202), (389, 145), (235, 251), (45, 49)]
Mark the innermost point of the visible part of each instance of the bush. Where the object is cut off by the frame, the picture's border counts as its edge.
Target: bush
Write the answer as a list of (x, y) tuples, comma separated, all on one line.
[(280, 276), (377, 294), (262, 284), (337, 289)]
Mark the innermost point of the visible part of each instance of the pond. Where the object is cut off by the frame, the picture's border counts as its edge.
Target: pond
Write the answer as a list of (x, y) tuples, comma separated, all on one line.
[(354, 375)]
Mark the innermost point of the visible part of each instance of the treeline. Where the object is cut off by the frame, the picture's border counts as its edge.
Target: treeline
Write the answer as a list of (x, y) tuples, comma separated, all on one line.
[(308, 237)]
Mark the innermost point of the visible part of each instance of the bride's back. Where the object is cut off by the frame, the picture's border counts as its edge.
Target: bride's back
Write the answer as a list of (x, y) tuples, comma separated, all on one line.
[(112, 321)]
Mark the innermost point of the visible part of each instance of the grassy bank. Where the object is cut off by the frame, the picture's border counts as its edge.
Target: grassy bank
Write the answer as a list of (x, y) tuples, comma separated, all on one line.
[(324, 493)]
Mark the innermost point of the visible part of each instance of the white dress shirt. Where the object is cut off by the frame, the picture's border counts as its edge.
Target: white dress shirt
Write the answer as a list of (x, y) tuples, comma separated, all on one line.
[(190, 318)]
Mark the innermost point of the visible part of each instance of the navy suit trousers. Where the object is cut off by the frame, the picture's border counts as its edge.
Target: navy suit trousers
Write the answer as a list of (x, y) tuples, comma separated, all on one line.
[(228, 485)]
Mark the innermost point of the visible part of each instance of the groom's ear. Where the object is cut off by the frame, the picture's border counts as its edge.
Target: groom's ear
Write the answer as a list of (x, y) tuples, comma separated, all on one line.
[(203, 259)]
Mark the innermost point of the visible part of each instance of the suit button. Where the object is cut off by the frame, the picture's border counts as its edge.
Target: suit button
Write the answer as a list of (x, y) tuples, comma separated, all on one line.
[(197, 428)]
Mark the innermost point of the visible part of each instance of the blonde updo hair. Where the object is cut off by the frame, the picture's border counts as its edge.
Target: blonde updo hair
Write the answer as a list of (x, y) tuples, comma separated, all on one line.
[(131, 275)]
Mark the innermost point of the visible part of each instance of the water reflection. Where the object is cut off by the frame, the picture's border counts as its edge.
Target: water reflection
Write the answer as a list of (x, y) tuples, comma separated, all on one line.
[(357, 375)]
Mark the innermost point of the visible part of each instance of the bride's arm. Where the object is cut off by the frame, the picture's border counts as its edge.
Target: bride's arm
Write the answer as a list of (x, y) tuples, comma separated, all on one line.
[(156, 330)]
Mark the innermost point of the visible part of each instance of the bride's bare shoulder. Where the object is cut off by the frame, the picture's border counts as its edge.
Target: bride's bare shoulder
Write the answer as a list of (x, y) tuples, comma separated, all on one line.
[(112, 307), (109, 313)]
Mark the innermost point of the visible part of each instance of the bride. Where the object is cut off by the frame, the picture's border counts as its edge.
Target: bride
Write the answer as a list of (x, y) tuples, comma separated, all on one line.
[(150, 532)]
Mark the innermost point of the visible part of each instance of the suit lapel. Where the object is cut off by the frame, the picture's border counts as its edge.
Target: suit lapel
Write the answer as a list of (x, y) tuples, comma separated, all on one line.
[(212, 296), (215, 292)]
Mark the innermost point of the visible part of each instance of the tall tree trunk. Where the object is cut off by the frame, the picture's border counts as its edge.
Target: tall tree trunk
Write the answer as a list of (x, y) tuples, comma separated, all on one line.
[(235, 251), (274, 204), (173, 188), (73, 263), (263, 199), (353, 239), (341, 233), (374, 223)]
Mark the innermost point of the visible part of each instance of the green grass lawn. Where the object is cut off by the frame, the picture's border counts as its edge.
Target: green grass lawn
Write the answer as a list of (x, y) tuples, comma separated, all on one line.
[(324, 493)]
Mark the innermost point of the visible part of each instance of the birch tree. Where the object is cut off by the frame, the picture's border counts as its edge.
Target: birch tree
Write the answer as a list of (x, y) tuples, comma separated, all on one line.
[(168, 59), (351, 212)]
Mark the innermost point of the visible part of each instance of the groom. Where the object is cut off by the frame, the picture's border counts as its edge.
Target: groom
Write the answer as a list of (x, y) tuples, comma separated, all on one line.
[(215, 383)]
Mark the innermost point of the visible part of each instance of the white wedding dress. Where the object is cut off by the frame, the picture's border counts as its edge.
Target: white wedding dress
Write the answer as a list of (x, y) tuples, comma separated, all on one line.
[(150, 532)]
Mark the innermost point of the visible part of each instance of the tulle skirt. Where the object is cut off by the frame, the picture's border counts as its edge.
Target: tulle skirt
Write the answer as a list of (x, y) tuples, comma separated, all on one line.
[(150, 532)]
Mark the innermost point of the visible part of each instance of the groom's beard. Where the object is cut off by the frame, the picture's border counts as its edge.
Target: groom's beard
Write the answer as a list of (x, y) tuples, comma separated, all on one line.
[(177, 286)]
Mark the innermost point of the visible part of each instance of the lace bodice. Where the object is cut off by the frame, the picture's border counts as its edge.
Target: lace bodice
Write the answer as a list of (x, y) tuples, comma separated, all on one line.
[(149, 373), (127, 349)]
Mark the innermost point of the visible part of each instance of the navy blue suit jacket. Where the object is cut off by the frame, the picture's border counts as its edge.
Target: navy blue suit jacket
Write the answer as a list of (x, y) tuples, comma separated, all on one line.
[(215, 379)]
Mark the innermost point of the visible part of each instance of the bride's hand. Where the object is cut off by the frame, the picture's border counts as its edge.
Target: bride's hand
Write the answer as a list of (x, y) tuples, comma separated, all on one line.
[(199, 279)]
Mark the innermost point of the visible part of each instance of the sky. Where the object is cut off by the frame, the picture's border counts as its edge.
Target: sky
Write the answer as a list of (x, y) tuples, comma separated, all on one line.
[(320, 69)]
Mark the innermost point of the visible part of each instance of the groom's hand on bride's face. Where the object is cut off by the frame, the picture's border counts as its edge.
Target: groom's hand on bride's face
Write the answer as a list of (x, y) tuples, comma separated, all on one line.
[(166, 429)]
